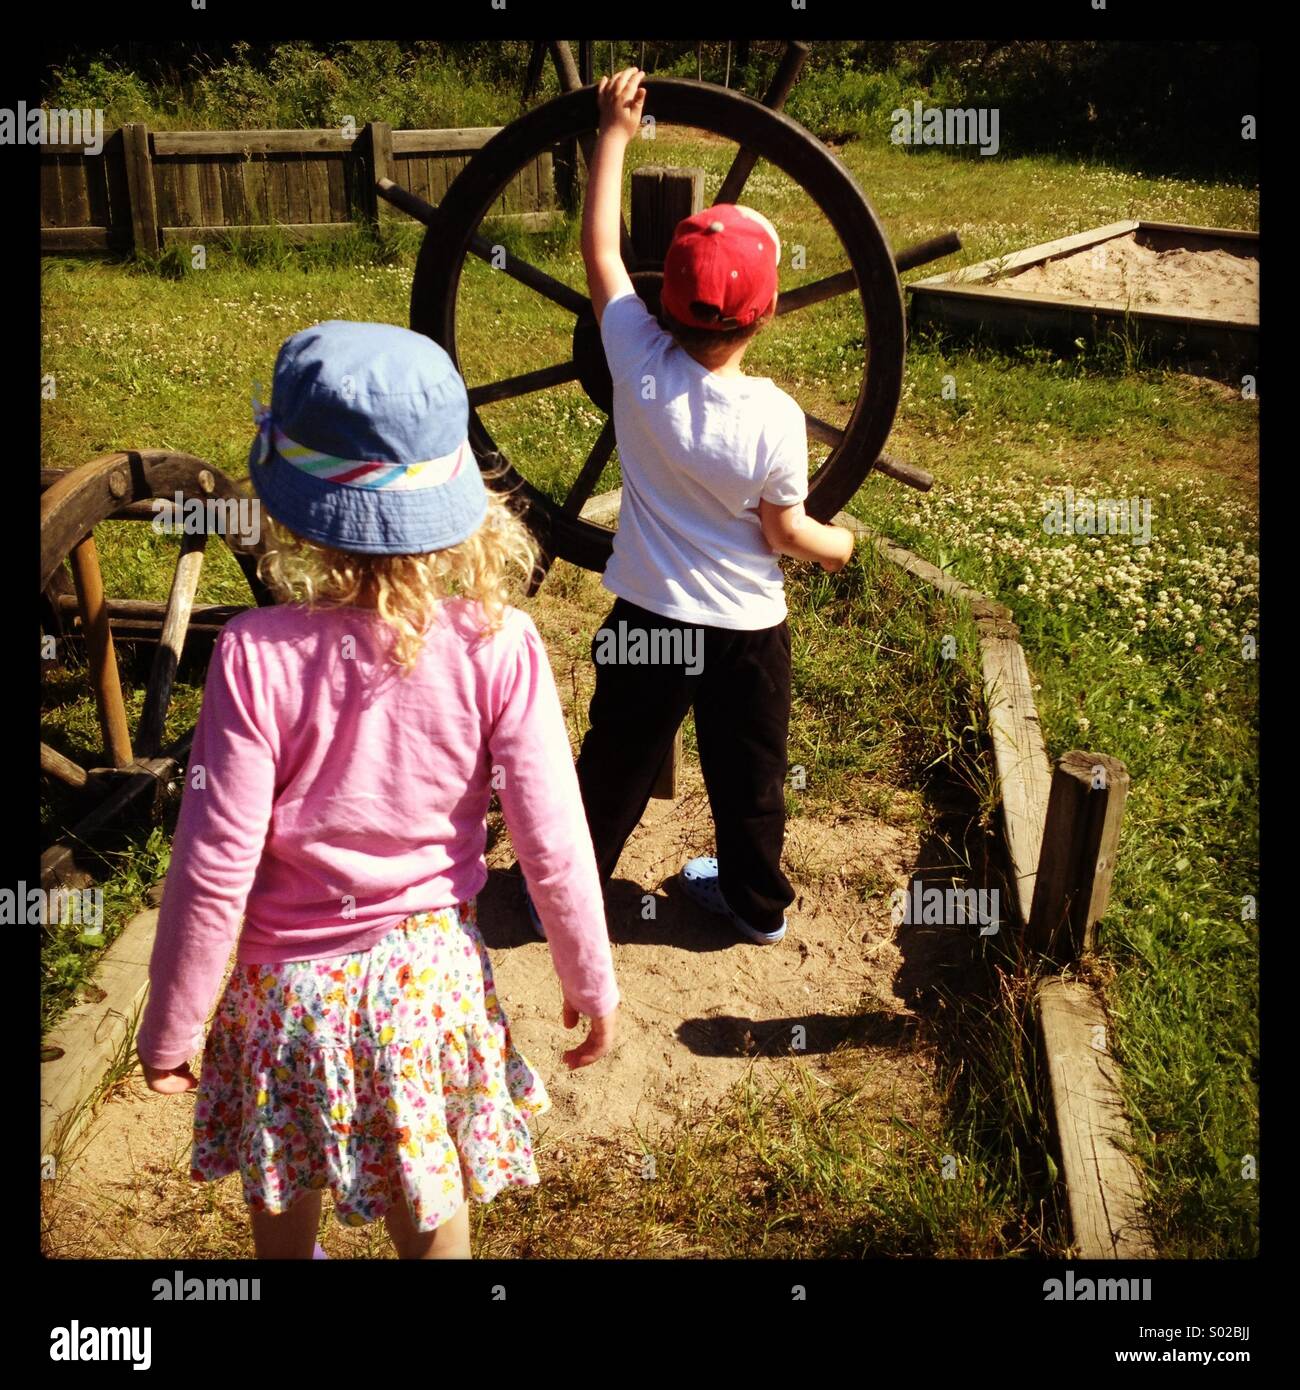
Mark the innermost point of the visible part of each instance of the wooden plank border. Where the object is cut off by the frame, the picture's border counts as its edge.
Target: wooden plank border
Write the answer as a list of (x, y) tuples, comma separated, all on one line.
[(92, 1036), (1103, 1187)]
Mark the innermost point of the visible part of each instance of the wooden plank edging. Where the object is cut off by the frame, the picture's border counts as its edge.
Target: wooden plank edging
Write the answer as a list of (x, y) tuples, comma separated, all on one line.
[(1103, 1188), (93, 1035), (1019, 753)]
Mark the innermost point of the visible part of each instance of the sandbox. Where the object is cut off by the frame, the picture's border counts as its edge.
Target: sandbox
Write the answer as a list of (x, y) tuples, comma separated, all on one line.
[(1189, 293)]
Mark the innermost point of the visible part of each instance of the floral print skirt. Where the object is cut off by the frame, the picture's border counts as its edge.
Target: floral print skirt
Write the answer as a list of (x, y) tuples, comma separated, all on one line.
[(384, 1075)]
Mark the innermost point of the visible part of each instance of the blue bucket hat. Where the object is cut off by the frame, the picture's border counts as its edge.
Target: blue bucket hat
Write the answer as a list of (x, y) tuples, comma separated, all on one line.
[(364, 446)]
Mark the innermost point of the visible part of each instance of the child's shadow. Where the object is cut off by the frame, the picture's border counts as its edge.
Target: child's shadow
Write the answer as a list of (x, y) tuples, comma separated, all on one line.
[(636, 915)]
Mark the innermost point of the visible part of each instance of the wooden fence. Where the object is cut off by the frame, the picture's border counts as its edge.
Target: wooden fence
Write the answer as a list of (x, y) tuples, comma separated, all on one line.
[(146, 189)]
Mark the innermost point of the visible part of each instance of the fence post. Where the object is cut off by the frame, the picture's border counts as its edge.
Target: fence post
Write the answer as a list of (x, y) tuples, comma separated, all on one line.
[(661, 197), (376, 150), (1077, 861), (140, 187)]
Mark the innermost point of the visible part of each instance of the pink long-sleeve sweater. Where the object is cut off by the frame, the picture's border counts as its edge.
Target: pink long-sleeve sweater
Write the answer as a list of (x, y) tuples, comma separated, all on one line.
[(328, 797)]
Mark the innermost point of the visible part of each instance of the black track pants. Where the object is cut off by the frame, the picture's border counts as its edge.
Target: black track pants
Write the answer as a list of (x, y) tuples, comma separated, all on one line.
[(739, 686)]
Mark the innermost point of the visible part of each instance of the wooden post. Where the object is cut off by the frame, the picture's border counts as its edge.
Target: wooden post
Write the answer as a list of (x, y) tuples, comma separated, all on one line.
[(584, 62), (376, 150), (533, 73), (140, 187), (660, 199), (99, 647), (1077, 861)]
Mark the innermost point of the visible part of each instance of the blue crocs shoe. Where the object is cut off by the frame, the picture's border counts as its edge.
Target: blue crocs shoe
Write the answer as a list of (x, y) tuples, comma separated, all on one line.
[(700, 880)]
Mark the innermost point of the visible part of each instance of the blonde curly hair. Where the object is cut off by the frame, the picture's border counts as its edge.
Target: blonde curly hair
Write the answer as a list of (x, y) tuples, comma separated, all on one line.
[(405, 590)]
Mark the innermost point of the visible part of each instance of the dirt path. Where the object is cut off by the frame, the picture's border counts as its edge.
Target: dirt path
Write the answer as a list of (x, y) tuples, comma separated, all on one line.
[(700, 1008)]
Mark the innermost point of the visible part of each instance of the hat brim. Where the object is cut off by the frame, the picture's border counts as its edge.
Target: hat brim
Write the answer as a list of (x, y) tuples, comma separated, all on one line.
[(371, 521)]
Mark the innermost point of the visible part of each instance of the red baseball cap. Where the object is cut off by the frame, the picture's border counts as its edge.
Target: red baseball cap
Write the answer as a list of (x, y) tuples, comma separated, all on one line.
[(720, 270)]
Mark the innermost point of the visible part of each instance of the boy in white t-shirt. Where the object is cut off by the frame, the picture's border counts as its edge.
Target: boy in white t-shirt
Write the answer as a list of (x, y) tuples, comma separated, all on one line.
[(715, 471)]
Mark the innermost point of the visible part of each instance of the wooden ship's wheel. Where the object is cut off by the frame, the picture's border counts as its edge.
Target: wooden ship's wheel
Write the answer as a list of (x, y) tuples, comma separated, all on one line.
[(761, 131), (126, 487)]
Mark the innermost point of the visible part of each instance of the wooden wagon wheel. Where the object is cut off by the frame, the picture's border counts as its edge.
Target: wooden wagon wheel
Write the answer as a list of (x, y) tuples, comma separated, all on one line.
[(135, 487), (761, 131)]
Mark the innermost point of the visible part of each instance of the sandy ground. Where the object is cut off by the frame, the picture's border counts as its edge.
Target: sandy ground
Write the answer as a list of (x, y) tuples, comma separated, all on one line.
[(1130, 273), (700, 1007)]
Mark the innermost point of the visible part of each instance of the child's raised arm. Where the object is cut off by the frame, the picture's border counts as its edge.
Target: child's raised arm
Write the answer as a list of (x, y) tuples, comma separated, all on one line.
[(620, 100)]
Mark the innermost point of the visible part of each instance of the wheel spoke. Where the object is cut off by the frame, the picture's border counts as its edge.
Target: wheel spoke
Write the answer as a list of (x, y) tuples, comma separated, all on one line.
[(589, 475), (823, 431), (512, 386), (774, 99), (101, 653), (526, 274), (902, 472), (815, 292), (53, 762), (410, 203), (891, 467), (171, 640), (844, 282), (553, 289), (923, 252)]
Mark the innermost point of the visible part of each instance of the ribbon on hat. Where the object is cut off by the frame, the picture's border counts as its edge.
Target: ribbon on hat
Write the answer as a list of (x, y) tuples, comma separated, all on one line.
[(367, 473)]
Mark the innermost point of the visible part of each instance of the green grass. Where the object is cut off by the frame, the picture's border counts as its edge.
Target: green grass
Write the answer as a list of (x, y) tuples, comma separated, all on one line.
[(163, 355)]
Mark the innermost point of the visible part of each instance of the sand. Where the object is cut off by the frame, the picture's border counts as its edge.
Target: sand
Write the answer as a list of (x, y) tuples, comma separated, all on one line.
[(1134, 274)]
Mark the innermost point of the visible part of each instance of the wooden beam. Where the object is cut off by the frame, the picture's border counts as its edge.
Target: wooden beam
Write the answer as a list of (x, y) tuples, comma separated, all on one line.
[(1077, 862), (145, 611), (450, 141), (295, 232), (171, 641), (60, 862), (92, 1035), (246, 142), (56, 765), (544, 220), (104, 676), (139, 179), (669, 776), (1019, 753), (54, 239), (1103, 1188)]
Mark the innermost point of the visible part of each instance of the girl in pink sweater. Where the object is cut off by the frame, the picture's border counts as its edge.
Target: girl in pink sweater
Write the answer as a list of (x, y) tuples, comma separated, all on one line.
[(350, 740)]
